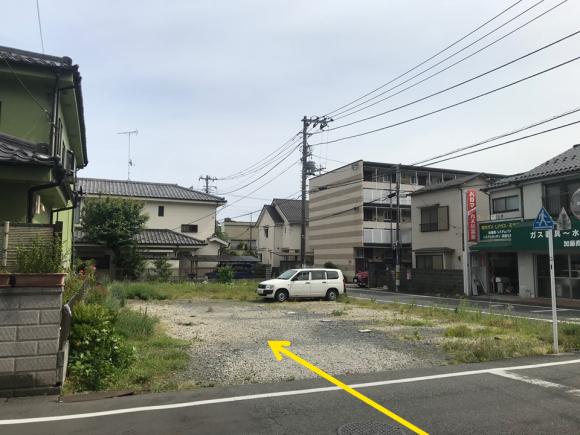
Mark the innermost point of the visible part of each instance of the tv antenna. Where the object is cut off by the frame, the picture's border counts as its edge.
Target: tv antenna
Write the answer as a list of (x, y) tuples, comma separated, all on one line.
[(129, 161)]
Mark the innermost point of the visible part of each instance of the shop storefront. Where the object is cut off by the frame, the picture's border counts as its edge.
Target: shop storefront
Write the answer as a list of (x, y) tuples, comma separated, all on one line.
[(512, 258)]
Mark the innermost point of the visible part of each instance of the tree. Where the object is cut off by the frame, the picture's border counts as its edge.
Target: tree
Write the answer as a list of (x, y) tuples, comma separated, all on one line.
[(114, 222)]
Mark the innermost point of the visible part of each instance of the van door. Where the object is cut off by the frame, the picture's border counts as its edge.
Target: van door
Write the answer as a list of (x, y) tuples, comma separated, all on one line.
[(333, 280), (300, 286), (318, 283)]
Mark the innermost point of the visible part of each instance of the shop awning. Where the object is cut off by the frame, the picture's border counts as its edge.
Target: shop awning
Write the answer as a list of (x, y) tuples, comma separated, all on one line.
[(492, 246)]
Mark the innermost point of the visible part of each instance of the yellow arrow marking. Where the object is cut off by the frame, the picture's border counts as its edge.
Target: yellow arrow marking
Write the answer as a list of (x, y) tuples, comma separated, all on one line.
[(279, 349)]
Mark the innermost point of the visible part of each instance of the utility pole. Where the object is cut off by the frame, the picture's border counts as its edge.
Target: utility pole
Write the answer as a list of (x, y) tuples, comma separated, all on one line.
[(398, 246), (129, 161), (308, 168), (207, 179)]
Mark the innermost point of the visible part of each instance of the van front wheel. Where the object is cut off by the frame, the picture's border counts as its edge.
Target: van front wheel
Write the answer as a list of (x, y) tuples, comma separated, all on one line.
[(281, 295)]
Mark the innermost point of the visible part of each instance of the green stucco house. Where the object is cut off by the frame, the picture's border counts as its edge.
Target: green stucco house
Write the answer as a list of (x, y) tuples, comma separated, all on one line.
[(42, 140)]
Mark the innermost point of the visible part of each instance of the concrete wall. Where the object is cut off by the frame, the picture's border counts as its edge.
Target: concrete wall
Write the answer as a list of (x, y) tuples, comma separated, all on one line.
[(29, 333), (533, 194), (267, 246)]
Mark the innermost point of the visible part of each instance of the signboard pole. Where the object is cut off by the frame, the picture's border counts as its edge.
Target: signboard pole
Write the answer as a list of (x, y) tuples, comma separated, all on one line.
[(550, 234), (465, 257)]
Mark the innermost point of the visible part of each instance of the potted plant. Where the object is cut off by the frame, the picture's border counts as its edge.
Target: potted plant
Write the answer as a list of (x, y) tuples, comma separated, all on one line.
[(39, 265)]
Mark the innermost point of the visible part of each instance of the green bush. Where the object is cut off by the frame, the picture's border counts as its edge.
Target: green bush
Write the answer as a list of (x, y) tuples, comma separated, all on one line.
[(41, 256), (225, 274), (97, 352), (162, 269), (135, 324), (330, 265)]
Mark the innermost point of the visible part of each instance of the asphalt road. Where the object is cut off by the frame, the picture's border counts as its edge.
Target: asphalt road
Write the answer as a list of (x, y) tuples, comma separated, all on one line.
[(521, 396), (504, 308)]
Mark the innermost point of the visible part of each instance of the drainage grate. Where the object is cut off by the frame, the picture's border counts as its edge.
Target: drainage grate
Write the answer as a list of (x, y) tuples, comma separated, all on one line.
[(369, 428)]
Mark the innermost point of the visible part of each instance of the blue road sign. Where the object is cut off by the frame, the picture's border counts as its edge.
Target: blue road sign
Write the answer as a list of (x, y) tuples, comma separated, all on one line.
[(543, 221)]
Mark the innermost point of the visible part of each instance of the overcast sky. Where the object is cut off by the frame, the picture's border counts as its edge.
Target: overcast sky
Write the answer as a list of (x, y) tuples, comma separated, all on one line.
[(214, 86)]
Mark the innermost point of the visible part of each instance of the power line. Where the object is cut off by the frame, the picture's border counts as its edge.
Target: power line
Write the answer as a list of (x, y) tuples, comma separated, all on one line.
[(426, 60), (30, 94), (474, 145), (39, 26), (263, 175), (242, 198), (424, 115), (508, 142), (491, 139), (352, 112), (456, 157), (478, 76)]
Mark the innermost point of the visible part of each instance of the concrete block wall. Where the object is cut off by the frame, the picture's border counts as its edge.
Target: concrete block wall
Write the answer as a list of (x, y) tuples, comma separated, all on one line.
[(29, 340)]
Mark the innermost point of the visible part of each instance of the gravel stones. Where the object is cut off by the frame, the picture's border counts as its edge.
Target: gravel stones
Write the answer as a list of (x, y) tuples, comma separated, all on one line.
[(229, 341)]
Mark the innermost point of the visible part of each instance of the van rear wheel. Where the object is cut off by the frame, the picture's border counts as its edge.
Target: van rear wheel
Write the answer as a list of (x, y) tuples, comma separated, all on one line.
[(281, 295), (331, 295)]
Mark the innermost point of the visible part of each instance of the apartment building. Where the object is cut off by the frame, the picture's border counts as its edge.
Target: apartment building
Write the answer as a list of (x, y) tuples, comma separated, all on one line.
[(353, 212)]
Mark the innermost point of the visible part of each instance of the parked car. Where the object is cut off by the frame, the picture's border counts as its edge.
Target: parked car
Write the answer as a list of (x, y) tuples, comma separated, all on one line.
[(304, 283), (361, 279)]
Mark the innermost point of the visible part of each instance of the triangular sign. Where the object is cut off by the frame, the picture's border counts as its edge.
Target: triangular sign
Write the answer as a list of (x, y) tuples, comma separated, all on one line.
[(564, 222), (543, 221)]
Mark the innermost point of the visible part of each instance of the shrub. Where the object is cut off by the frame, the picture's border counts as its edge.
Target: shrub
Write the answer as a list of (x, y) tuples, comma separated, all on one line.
[(97, 352), (162, 269), (225, 274), (135, 324), (42, 256), (330, 265)]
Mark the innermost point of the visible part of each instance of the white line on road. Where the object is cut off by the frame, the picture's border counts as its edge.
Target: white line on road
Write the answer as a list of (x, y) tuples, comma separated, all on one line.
[(386, 293), (536, 381), (277, 394), (515, 316), (549, 310)]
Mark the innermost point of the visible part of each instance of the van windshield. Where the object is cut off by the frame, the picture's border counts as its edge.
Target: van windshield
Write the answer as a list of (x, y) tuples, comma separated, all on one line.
[(288, 274)]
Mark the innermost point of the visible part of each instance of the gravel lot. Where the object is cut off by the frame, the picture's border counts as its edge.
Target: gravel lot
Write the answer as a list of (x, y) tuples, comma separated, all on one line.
[(229, 339)]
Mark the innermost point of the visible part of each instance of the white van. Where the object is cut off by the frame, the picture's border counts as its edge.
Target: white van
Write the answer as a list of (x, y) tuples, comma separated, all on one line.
[(304, 283)]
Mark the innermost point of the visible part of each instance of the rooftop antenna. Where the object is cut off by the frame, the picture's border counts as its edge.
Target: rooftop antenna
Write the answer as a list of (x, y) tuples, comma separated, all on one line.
[(129, 161)]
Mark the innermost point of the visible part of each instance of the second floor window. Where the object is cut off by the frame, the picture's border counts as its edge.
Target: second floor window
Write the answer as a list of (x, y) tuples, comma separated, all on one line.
[(434, 218), (161, 210), (558, 196), (506, 204), (188, 228), (266, 231)]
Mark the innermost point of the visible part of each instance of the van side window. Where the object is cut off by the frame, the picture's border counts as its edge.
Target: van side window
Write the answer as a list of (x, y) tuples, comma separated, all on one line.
[(318, 274), (332, 274), (302, 276)]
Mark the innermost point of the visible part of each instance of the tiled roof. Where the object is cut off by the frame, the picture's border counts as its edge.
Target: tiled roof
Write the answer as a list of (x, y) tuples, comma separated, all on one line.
[(564, 163), (274, 214), (141, 189), (162, 237), (16, 55), (291, 209), (17, 151), (152, 237)]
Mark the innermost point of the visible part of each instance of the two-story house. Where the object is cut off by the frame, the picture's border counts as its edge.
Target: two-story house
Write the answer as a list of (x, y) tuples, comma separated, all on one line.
[(278, 230), (443, 229), (42, 141), (241, 235), (354, 213), (181, 225), (514, 257)]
